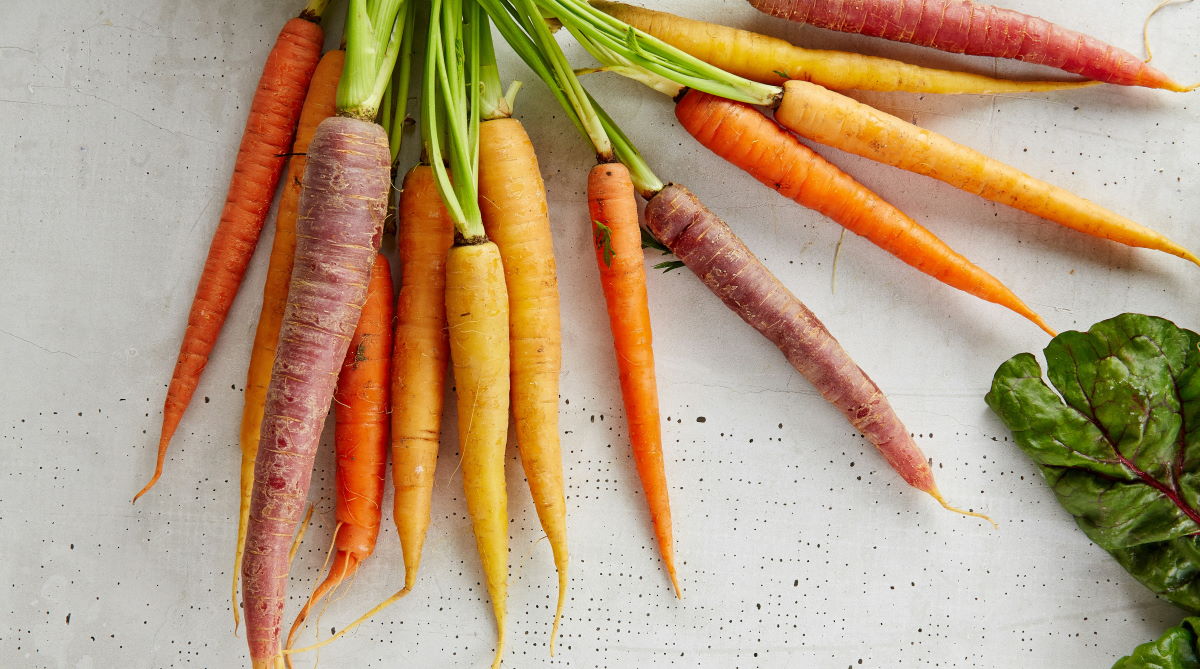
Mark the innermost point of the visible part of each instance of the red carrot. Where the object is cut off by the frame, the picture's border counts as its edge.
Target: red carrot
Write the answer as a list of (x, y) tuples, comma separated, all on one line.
[(346, 184), (270, 127), (710, 249), (360, 405), (962, 26)]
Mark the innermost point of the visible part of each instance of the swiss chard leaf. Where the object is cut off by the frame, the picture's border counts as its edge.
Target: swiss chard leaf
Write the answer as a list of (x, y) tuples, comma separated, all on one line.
[(1119, 442), (1175, 649)]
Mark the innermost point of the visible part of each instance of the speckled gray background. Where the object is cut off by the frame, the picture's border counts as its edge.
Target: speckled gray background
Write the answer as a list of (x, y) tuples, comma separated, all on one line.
[(799, 548)]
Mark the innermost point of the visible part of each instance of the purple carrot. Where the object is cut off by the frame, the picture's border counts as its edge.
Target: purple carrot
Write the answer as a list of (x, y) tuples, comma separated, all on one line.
[(962, 26), (710, 249), (338, 232)]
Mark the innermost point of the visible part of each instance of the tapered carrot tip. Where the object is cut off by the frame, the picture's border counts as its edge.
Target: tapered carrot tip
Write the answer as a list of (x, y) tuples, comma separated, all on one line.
[(1042, 324), (352, 626), (945, 505), (499, 648), (562, 600), (675, 584), (158, 469)]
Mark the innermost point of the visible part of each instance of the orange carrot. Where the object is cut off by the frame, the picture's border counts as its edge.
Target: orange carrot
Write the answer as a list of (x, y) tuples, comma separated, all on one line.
[(318, 105), (420, 355), (745, 137), (270, 127), (360, 404), (613, 207)]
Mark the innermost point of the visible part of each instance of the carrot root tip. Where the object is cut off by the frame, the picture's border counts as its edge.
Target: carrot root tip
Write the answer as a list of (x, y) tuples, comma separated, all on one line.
[(946, 505)]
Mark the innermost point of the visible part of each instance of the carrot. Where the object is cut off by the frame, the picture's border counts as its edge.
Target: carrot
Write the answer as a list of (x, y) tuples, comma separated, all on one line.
[(611, 197), (745, 137), (477, 306), (515, 214), (267, 138), (831, 118), (773, 61), (419, 360), (318, 105), (342, 205), (710, 249), (619, 257), (962, 26), (341, 216), (478, 320), (361, 403), (841, 122)]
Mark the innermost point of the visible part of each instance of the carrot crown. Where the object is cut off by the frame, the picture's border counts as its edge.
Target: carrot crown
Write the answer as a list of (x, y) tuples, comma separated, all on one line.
[(314, 10), (631, 52), (522, 26), (450, 110), (374, 29)]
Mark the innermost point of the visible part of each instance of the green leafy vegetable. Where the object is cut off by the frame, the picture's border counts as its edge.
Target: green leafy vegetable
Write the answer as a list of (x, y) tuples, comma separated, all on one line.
[(1119, 442), (1175, 649)]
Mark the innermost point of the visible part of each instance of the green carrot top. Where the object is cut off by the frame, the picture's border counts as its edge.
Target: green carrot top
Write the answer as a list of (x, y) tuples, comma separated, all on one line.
[(374, 31), (631, 52), (450, 110), (522, 26)]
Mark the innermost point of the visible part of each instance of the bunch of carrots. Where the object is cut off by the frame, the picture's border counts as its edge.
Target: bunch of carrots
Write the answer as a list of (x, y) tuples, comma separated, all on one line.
[(478, 291)]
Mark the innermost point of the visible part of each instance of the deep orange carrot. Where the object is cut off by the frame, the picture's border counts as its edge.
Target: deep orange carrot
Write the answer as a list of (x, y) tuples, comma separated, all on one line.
[(745, 137), (420, 355), (618, 241), (270, 127), (319, 105), (361, 404)]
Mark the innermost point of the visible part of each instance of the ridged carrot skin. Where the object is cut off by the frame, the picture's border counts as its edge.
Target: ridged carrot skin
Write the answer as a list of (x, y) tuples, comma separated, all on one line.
[(962, 26), (346, 187), (361, 407), (844, 123), (512, 199), (773, 61), (745, 137), (612, 204), (723, 263), (270, 127), (420, 355), (319, 104), (478, 321)]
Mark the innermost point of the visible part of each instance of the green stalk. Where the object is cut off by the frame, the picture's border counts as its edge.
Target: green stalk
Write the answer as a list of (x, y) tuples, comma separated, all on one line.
[(647, 183), (520, 42), (373, 29), (566, 79), (447, 108), (403, 81), (616, 43), (548, 61), (493, 102)]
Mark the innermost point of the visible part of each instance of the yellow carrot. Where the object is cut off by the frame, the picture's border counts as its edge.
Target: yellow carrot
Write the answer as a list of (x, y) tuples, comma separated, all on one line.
[(477, 316), (512, 199), (841, 122), (773, 61)]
